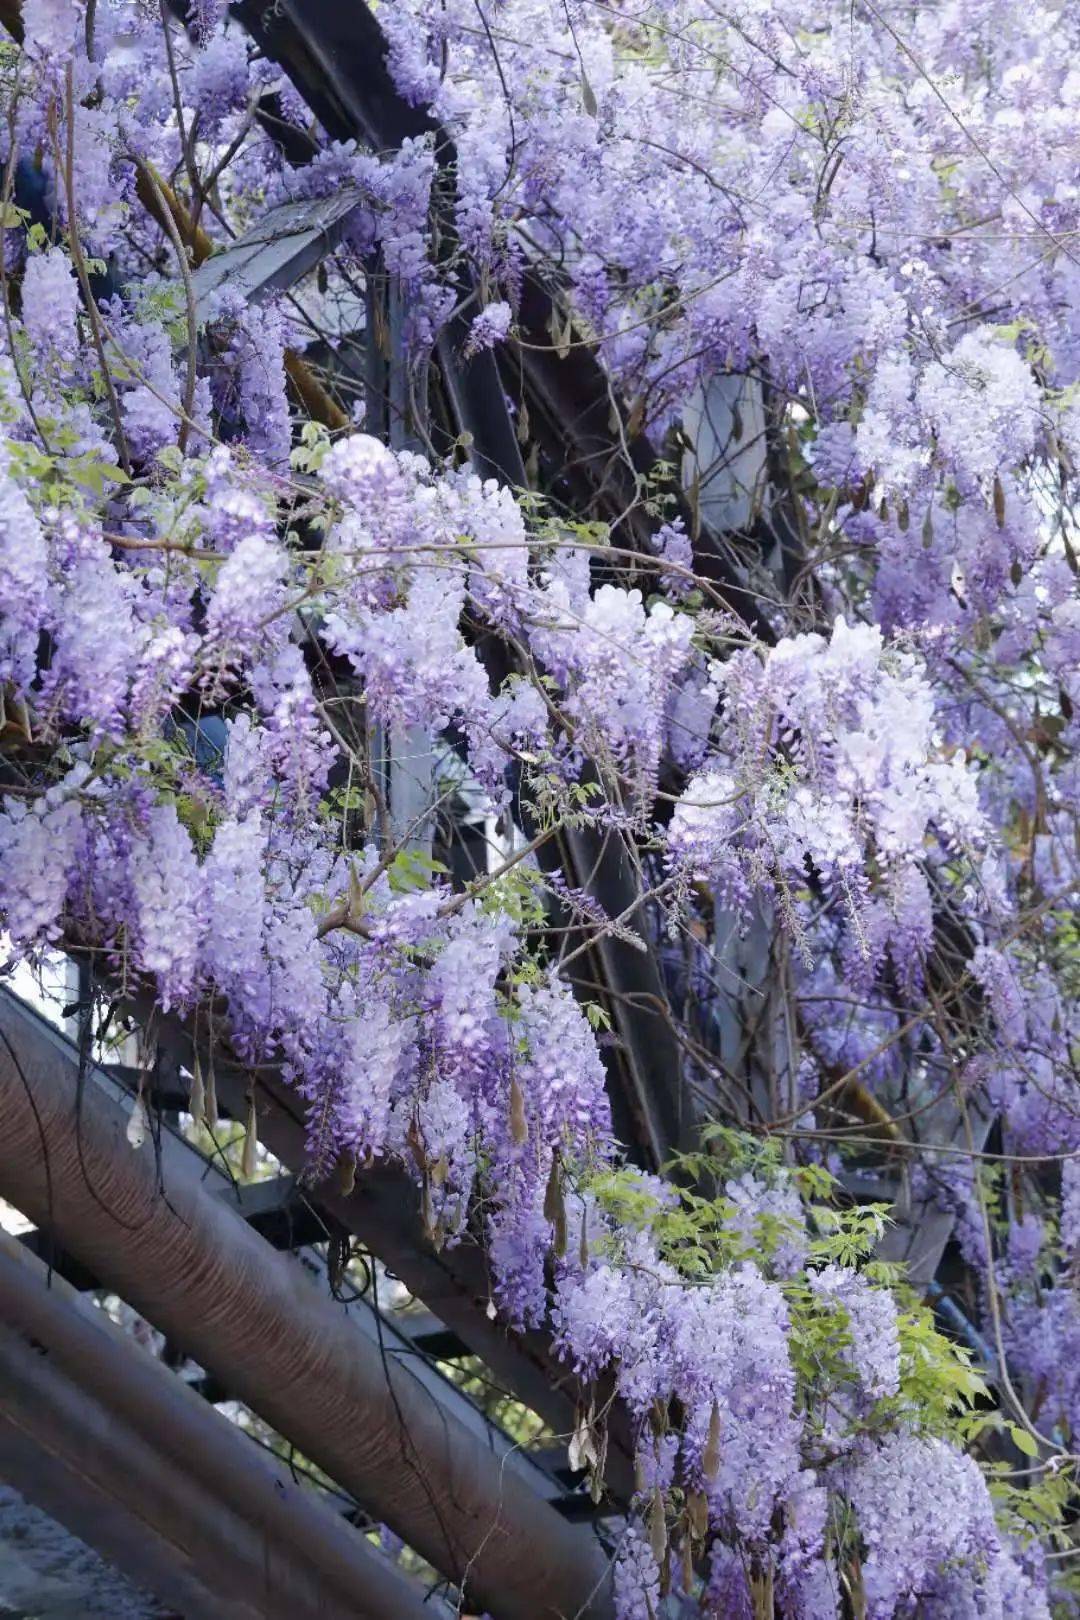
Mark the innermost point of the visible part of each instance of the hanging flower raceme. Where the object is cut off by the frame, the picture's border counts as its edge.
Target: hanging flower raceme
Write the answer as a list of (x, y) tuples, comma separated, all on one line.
[(835, 770)]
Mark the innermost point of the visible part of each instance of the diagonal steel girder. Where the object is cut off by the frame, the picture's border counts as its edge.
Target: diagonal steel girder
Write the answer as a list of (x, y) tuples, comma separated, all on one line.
[(145, 1222)]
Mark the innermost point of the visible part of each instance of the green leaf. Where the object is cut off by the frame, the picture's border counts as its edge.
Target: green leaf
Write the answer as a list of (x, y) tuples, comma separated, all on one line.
[(411, 870), (1024, 1440), (170, 457)]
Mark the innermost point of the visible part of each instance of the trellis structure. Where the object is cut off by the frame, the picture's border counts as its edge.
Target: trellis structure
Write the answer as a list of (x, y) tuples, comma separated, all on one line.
[(358, 1398)]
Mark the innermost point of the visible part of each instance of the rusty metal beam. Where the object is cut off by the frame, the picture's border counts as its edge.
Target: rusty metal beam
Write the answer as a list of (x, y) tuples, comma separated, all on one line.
[(287, 1219), (146, 1224)]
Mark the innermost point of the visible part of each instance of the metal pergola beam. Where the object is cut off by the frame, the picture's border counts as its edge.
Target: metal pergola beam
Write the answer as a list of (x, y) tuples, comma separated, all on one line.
[(104, 1437), (144, 1221), (289, 1221)]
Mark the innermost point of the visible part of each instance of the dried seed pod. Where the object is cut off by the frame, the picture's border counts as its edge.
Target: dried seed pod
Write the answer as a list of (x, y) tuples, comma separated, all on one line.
[(710, 1460), (210, 1103), (519, 1125), (658, 1537), (555, 1208), (18, 717), (697, 1514), (138, 1125), (197, 1096), (345, 1173), (581, 1451), (249, 1161), (416, 1144)]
